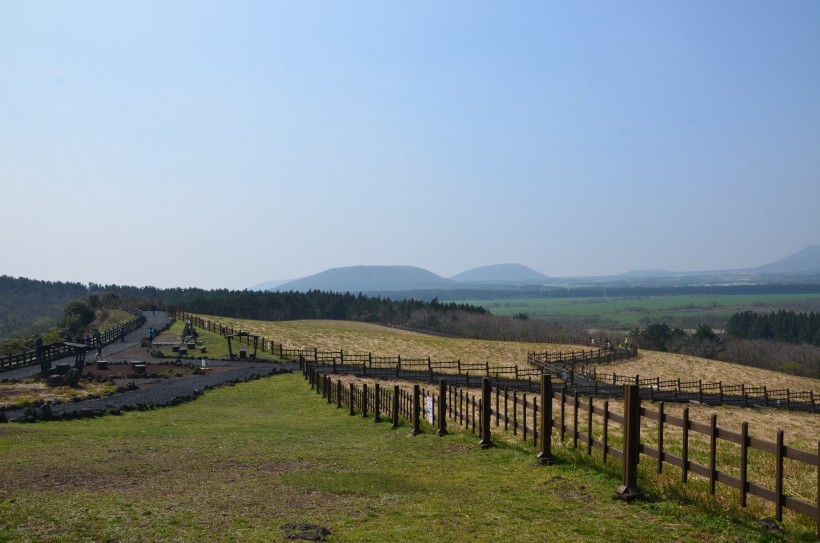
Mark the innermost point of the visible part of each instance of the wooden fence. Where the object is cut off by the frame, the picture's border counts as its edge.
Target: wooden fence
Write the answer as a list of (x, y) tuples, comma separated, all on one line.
[(715, 393), (576, 368), (590, 425), (599, 355), (56, 351), (562, 339)]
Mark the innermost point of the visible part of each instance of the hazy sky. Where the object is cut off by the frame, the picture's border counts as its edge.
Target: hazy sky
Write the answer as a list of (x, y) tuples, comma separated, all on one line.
[(223, 144)]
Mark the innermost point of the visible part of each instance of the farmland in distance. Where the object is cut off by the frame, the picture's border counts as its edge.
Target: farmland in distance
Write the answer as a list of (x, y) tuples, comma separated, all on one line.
[(627, 312)]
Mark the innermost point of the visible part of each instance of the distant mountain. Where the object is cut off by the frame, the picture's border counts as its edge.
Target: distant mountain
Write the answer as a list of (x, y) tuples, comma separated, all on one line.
[(370, 279), (806, 261), (801, 267), (497, 274)]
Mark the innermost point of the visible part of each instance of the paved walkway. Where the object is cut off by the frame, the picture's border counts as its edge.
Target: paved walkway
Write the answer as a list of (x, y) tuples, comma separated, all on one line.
[(156, 319), (155, 394)]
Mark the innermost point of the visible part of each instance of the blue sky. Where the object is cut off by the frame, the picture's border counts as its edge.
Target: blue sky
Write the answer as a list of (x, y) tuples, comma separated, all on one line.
[(224, 144)]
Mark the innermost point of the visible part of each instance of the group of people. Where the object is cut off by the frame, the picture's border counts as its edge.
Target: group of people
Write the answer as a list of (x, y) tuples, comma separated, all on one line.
[(95, 339), (609, 345)]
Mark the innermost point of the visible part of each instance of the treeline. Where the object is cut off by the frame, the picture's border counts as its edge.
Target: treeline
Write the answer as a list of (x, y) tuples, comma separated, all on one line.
[(452, 319), (314, 304), (782, 325), (448, 318), (788, 357), (29, 306)]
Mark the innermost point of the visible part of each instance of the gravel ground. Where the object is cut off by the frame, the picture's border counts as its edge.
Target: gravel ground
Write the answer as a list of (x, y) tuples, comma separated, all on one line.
[(164, 392)]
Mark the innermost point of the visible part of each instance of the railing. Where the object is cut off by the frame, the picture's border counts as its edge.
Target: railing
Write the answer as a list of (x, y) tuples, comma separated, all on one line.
[(562, 339), (596, 426), (600, 355), (576, 368), (714, 393), (56, 351)]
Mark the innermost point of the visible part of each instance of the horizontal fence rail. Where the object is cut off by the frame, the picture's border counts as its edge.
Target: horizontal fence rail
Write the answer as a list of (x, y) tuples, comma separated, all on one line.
[(623, 434), (575, 368), (56, 351)]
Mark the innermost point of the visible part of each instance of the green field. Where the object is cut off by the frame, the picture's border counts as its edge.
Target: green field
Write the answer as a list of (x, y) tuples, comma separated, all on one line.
[(625, 313), (241, 462)]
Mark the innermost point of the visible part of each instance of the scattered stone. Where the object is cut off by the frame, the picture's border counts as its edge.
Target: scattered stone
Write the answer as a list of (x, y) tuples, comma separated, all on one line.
[(307, 532), (770, 523), (72, 378)]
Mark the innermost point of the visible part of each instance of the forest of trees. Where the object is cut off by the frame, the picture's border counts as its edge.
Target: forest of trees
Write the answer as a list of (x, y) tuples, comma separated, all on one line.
[(463, 320), (784, 354), (30, 307), (782, 325)]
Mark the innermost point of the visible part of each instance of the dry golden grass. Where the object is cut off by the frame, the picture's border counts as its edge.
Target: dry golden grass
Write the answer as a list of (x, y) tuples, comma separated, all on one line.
[(801, 429), (673, 366), (21, 393), (357, 337)]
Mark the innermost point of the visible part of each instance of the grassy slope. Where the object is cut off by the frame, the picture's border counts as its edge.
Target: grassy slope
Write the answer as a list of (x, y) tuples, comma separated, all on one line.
[(357, 337), (242, 461), (801, 428)]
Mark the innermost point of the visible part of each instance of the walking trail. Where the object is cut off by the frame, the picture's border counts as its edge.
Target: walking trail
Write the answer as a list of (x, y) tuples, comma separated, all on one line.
[(150, 391)]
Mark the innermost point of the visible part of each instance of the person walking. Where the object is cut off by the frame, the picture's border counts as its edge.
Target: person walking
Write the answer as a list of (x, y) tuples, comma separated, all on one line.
[(98, 356)]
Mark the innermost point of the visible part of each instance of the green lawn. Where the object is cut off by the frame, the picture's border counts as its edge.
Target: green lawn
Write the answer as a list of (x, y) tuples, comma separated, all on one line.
[(240, 462)]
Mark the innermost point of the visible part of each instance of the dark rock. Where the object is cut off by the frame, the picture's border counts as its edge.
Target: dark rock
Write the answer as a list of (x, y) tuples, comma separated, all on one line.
[(72, 378), (770, 523), (307, 532)]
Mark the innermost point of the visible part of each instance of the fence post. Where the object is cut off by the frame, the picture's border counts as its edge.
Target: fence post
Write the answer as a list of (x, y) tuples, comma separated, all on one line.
[(744, 462), (497, 403), (778, 478), (442, 408), (416, 410), (352, 411), (684, 474), (632, 435), (364, 400), (395, 413), (485, 414), (377, 407), (545, 456)]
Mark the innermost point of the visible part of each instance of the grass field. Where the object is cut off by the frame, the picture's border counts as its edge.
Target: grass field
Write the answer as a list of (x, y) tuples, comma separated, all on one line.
[(240, 462), (356, 337), (620, 313), (801, 429)]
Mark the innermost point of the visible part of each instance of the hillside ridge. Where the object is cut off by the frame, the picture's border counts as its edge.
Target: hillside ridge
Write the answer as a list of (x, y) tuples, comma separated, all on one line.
[(803, 265)]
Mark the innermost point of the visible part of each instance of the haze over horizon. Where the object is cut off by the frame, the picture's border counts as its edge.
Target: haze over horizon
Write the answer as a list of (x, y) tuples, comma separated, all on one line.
[(225, 144)]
